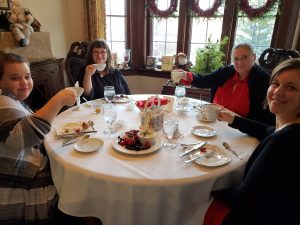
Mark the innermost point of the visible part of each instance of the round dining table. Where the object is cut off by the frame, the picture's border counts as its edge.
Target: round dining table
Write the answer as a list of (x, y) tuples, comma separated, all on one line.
[(158, 188)]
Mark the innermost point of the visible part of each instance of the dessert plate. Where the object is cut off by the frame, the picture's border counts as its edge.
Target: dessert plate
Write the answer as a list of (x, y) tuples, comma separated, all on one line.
[(122, 149), (218, 159), (203, 131), (88, 145), (121, 99), (71, 129)]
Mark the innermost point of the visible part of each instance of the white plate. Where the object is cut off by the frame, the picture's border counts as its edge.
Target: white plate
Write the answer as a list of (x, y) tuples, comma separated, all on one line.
[(202, 118), (203, 131), (88, 145), (123, 99), (70, 129), (122, 149), (219, 158)]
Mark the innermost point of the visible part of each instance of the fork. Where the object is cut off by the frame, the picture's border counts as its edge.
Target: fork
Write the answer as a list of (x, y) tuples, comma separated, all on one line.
[(207, 155)]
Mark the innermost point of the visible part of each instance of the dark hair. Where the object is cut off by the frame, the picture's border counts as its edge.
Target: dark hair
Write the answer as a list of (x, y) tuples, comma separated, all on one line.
[(99, 43), (7, 58)]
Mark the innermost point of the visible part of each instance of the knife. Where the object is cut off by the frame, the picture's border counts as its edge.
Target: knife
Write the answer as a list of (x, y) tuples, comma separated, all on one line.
[(192, 149), (74, 139)]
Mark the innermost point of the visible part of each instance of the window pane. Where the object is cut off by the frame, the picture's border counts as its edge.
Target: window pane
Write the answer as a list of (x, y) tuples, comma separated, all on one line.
[(203, 28), (115, 7), (115, 26), (165, 32), (256, 32)]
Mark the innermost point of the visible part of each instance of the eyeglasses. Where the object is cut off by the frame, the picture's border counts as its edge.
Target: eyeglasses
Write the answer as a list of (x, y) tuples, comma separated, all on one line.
[(99, 53), (242, 59)]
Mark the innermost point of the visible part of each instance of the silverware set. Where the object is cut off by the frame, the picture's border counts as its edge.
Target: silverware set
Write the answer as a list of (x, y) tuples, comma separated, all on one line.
[(81, 135), (196, 146)]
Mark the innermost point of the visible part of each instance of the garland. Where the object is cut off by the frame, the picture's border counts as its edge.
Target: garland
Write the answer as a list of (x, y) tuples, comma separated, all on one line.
[(162, 13), (256, 12), (198, 12)]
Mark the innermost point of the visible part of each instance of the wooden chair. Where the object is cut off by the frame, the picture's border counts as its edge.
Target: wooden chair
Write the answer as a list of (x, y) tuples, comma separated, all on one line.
[(76, 58), (271, 57)]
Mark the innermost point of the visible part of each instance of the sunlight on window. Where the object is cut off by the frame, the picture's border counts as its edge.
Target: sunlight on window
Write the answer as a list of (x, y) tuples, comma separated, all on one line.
[(203, 28), (256, 32), (165, 32), (115, 26)]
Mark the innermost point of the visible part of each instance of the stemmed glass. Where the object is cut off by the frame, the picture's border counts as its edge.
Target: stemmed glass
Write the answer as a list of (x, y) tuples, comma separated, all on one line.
[(109, 93), (109, 115), (170, 127), (126, 58), (180, 94)]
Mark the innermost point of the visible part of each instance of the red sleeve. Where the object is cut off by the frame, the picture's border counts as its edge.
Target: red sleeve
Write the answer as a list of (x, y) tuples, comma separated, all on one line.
[(189, 77)]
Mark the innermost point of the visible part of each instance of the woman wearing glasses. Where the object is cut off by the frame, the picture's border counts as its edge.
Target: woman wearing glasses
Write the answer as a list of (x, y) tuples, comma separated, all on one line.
[(240, 87), (93, 78)]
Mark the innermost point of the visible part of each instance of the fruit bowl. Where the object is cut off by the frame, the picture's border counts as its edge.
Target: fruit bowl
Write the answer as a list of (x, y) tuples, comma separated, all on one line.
[(147, 136)]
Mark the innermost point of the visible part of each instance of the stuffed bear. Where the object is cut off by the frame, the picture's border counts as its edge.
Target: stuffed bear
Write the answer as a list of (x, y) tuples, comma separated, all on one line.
[(20, 23)]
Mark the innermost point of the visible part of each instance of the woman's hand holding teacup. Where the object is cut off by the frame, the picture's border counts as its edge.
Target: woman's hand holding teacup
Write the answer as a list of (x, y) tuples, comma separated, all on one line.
[(226, 116), (90, 70)]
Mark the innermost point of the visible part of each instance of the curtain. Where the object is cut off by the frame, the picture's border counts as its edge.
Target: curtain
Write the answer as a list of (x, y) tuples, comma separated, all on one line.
[(94, 13)]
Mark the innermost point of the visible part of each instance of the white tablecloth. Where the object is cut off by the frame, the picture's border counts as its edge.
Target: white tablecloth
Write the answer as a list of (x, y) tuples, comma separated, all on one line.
[(153, 189)]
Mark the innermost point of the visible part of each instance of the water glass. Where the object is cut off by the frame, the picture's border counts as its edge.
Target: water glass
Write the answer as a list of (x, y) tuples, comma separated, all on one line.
[(109, 115), (109, 93), (170, 127), (180, 94)]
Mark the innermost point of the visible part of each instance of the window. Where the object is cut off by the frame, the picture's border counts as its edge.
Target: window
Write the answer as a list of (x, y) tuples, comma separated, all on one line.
[(164, 33), (185, 33), (257, 32), (115, 26)]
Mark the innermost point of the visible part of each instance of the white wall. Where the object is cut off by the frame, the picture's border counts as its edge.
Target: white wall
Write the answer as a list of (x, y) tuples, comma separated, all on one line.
[(62, 18)]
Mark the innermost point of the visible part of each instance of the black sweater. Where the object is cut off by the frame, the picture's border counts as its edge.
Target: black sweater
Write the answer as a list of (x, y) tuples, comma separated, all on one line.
[(269, 193)]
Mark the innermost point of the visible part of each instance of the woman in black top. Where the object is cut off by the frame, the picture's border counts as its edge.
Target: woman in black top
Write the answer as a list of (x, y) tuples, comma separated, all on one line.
[(94, 81), (270, 190)]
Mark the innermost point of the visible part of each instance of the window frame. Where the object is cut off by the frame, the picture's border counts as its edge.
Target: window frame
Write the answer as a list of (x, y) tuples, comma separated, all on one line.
[(139, 31)]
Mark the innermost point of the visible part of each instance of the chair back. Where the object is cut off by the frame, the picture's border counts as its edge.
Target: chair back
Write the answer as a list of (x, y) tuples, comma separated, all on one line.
[(271, 57), (76, 58)]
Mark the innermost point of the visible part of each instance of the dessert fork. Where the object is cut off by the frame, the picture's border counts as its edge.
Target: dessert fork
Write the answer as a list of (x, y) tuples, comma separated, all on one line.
[(207, 155)]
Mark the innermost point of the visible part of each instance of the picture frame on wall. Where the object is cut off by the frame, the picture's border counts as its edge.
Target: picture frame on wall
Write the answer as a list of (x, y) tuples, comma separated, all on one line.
[(4, 4)]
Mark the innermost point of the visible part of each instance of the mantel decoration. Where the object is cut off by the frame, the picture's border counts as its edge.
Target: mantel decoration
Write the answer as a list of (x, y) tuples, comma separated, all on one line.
[(169, 12), (253, 13), (198, 12)]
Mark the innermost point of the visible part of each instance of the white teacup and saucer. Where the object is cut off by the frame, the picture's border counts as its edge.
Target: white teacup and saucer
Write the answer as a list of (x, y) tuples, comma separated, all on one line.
[(209, 113)]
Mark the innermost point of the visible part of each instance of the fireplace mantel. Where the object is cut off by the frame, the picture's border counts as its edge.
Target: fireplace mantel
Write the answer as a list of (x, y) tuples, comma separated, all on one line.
[(38, 49)]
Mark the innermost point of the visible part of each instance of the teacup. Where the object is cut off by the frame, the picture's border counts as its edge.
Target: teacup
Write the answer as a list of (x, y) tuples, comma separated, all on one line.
[(176, 76), (210, 112), (79, 90), (99, 67)]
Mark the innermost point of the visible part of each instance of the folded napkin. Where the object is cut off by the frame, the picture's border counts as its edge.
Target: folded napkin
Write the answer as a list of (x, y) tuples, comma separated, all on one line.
[(153, 101)]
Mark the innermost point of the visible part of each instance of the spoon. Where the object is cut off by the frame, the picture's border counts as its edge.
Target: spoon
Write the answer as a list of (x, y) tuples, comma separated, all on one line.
[(91, 123), (227, 146)]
